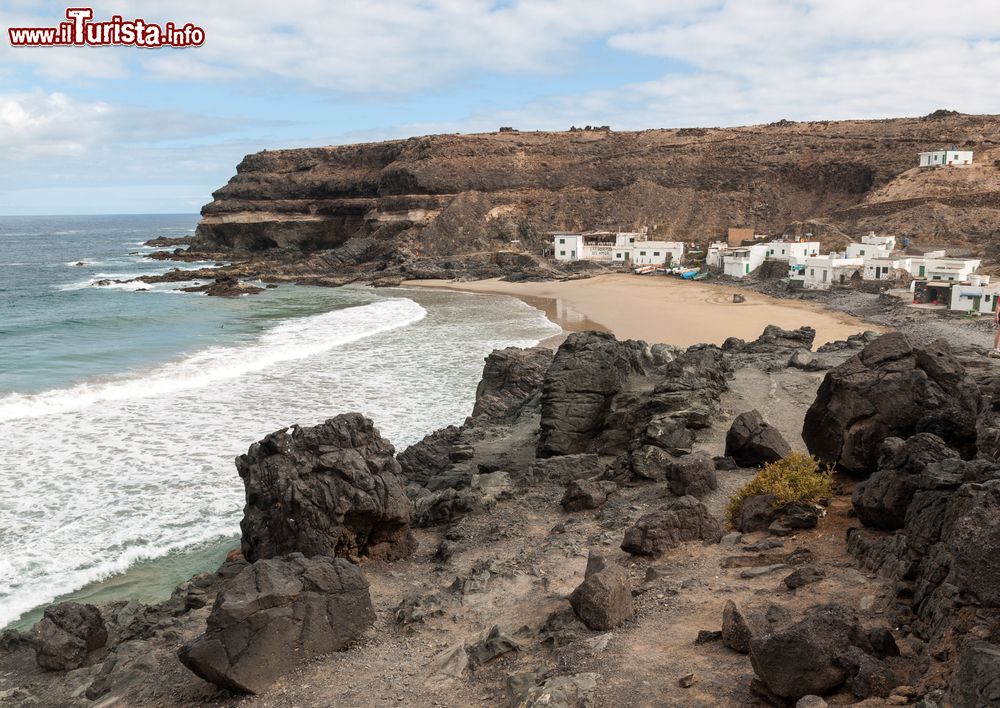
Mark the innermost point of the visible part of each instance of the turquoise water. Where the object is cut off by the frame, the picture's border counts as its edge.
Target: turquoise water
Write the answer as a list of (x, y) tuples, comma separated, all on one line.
[(122, 410)]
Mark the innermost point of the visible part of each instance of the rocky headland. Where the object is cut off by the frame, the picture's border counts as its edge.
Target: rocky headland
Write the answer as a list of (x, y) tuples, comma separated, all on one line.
[(568, 545), (481, 206)]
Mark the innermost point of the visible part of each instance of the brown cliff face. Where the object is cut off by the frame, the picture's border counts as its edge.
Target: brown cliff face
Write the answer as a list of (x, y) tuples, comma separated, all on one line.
[(450, 195)]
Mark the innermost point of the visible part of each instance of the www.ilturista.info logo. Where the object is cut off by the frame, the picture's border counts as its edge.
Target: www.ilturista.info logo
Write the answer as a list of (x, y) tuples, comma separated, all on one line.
[(81, 31)]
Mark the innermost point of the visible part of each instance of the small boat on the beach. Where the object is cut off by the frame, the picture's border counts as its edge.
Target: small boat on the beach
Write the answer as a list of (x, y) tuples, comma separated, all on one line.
[(645, 270)]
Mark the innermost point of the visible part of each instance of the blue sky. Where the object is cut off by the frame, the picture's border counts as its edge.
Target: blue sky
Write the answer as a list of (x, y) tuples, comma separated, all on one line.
[(127, 130)]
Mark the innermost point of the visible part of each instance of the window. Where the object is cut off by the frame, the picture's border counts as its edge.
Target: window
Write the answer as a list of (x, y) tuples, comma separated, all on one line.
[(562, 253), (656, 253), (862, 251), (618, 255), (562, 241), (642, 253)]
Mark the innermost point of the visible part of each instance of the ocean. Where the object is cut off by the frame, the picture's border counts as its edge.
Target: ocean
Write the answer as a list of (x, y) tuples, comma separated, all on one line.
[(122, 407)]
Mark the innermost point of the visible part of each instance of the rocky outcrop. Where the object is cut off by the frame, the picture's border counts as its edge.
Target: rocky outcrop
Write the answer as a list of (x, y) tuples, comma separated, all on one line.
[(752, 442), (511, 377), (881, 501), (332, 490), (679, 520), (276, 614), (66, 634), (737, 628), (891, 389), (588, 371)]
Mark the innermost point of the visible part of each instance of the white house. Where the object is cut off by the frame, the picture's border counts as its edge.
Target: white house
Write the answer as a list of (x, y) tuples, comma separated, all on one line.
[(622, 247), (592, 246), (792, 250), (881, 267), (823, 271), (872, 246), (715, 252), (975, 296), (957, 270), (946, 158), (645, 252), (743, 260)]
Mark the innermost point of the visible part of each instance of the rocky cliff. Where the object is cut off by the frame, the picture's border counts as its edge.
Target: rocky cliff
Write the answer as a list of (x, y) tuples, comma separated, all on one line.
[(448, 195)]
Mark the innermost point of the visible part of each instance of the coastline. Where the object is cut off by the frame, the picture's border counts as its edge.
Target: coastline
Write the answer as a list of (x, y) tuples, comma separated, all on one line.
[(663, 310)]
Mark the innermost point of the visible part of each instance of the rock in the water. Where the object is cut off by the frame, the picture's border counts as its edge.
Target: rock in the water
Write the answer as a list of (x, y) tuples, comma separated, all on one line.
[(805, 575), (586, 494), (891, 389), (330, 490), (588, 370), (679, 520), (752, 442), (497, 643), (804, 658), (976, 682), (737, 630), (757, 513), (511, 377), (604, 599), (65, 635), (276, 614)]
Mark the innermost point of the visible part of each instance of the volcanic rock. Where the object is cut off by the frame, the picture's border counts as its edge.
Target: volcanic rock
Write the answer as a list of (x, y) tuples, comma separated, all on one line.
[(753, 442), (586, 494), (804, 576), (588, 370), (679, 520), (333, 490), (757, 513), (511, 377), (976, 682), (891, 388), (495, 644), (692, 475), (882, 500), (276, 614), (803, 658), (66, 634), (736, 628), (604, 599)]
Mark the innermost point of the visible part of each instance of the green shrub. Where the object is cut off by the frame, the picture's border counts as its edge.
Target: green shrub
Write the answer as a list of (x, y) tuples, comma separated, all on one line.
[(795, 477)]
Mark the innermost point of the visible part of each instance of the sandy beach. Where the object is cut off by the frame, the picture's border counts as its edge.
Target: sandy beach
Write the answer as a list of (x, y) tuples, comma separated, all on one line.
[(661, 309)]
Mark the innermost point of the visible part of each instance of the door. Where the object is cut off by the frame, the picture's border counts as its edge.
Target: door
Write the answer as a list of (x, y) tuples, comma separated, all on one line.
[(921, 273)]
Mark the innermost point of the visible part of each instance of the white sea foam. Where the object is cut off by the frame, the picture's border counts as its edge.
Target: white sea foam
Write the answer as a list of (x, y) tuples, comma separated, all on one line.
[(296, 339), (99, 476)]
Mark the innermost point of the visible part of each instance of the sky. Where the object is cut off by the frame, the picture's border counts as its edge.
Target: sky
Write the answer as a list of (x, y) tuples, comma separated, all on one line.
[(88, 130)]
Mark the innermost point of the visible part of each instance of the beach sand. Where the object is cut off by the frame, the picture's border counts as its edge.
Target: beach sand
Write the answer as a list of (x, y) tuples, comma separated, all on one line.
[(661, 309)]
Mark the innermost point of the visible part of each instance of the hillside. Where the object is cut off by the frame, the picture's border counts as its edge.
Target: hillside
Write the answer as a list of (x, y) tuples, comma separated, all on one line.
[(446, 195)]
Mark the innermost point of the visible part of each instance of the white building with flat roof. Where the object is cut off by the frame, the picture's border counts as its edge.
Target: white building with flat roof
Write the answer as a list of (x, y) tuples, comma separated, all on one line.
[(743, 260), (957, 270), (882, 267), (872, 246), (822, 272), (623, 247), (946, 158), (975, 296), (792, 250)]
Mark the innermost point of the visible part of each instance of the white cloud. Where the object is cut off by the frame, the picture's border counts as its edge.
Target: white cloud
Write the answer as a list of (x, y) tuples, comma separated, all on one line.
[(39, 124)]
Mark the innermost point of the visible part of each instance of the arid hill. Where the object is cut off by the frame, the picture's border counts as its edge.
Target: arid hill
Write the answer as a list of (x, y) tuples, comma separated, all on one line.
[(447, 195)]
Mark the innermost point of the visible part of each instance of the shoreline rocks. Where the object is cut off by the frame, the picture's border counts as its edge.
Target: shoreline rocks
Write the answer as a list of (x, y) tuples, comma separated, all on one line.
[(333, 489), (276, 614)]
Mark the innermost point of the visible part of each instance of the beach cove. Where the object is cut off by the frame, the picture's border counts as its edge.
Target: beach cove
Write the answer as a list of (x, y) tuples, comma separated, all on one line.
[(663, 310)]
